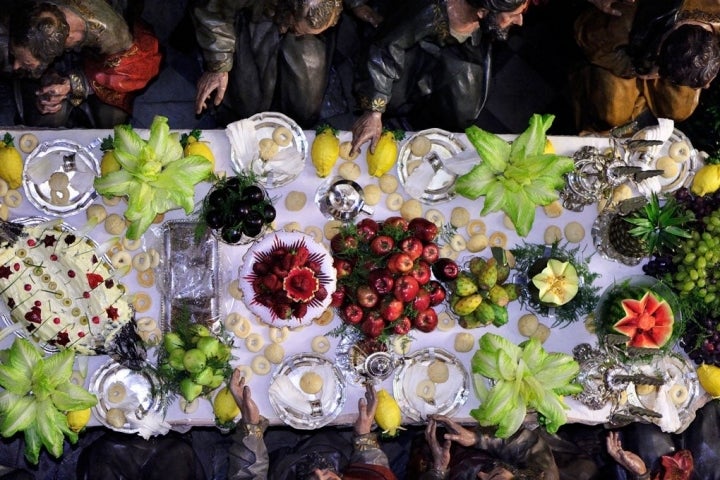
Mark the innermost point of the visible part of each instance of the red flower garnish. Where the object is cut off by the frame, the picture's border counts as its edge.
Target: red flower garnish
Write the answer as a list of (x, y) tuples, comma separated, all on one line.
[(112, 313), (5, 272), (49, 240)]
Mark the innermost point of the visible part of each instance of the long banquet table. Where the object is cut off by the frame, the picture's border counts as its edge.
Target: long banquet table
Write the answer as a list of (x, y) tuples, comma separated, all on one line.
[(231, 257)]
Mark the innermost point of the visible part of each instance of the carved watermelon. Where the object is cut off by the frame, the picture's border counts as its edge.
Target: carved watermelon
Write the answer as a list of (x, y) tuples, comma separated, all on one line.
[(301, 284), (647, 321)]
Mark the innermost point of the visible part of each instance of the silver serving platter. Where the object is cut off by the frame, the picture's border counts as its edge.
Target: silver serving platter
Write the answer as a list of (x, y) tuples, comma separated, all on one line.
[(453, 393), (265, 124), (685, 169), (66, 157), (142, 395), (293, 368), (191, 274), (445, 144)]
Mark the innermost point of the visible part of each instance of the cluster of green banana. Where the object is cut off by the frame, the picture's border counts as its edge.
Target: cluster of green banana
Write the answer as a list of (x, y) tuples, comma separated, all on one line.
[(479, 295)]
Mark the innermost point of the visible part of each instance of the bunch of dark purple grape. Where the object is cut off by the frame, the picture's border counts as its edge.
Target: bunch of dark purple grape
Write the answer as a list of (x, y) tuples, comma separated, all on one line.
[(238, 209), (701, 341)]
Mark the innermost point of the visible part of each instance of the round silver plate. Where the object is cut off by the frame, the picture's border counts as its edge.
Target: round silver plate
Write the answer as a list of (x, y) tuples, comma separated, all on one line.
[(443, 143), (141, 398), (449, 396), (315, 413), (265, 124), (61, 157)]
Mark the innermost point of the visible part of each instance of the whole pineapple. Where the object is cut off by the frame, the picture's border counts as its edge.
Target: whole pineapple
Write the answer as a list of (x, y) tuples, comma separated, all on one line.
[(622, 241), (652, 229)]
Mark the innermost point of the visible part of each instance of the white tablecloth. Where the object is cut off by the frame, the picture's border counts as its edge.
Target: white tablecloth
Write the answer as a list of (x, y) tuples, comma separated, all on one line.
[(562, 340)]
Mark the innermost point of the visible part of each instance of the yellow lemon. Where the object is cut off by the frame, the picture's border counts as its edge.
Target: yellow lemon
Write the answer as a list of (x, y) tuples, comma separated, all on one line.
[(224, 406), (388, 415), (11, 163), (78, 419), (549, 147), (109, 163), (709, 376), (195, 147), (706, 180)]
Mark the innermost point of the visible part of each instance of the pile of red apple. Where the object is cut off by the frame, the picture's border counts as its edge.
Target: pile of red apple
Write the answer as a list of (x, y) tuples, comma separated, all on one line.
[(384, 276)]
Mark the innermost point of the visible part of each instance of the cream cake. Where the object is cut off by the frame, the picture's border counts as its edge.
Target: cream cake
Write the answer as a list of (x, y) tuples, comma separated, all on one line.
[(60, 289)]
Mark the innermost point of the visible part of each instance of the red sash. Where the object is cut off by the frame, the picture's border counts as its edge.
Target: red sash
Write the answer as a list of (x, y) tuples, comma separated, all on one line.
[(116, 78), (362, 471)]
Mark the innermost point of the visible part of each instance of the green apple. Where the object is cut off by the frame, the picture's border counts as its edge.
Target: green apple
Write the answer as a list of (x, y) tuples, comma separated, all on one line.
[(199, 331), (189, 389), (194, 360)]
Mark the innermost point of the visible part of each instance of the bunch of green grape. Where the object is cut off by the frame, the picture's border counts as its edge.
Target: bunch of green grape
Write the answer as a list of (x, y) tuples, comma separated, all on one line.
[(698, 263)]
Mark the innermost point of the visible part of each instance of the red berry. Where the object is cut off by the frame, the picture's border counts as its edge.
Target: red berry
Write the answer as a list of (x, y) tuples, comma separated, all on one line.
[(71, 273), (53, 257), (95, 319), (81, 334), (38, 303), (16, 267), (27, 287), (31, 242), (86, 294), (56, 320)]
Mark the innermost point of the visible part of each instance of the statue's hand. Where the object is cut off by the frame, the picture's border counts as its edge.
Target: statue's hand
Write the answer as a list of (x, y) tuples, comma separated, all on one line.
[(51, 95), (210, 82)]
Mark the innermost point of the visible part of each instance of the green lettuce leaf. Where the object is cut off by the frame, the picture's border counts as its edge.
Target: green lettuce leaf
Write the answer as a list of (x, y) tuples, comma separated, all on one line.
[(48, 421), (532, 141), (18, 417), (128, 146), (23, 355), (521, 211), (69, 397), (58, 367), (115, 184), (14, 380), (493, 150), (476, 182), (33, 444), (494, 199), (512, 420)]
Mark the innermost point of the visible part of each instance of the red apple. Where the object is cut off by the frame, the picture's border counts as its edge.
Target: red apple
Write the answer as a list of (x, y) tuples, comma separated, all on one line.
[(426, 321), (367, 229), (423, 229), (421, 272), (400, 263), (373, 326), (342, 267), (412, 246), (382, 245), (344, 243), (445, 269), (338, 296), (422, 300), (406, 287), (381, 280), (396, 223), (431, 252), (353, 314), (366, 296), (436, 291), (402, 325), (391, 308)]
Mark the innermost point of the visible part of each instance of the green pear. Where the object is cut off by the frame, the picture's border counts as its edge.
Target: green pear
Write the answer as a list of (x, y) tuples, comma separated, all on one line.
[(205, 377), (172, 341), (210, 346), (189, 389), (175, 359), (194, 360)]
